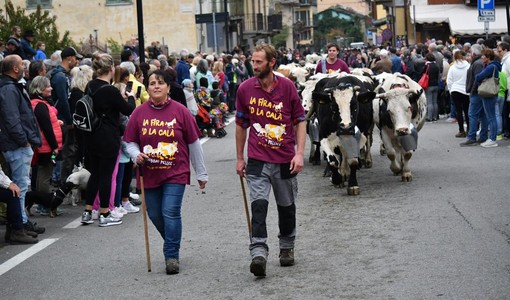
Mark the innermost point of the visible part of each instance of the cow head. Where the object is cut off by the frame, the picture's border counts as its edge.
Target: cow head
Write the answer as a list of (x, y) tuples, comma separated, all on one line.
[(399, 105), (344, 95)]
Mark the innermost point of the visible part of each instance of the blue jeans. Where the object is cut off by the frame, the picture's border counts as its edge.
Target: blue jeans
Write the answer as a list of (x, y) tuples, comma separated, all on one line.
[(432, 107), (476, 112), (164, 209), (499, 113), (489, 105), (19, 163), (118, 188)]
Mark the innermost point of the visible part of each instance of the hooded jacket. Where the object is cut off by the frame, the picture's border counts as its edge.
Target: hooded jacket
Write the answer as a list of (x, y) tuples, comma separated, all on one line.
[(456, 78), (60, 82)]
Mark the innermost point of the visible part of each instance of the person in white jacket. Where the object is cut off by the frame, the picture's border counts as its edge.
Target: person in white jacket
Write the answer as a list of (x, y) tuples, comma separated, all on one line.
[(456, 82)]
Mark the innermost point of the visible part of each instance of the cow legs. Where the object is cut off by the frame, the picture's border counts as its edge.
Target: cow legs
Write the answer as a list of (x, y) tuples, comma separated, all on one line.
[(406, 171), (391, 153), (352, 187)]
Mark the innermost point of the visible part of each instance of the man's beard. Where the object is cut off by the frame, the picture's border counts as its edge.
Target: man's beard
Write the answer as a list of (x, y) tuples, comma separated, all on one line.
[(264, 73)]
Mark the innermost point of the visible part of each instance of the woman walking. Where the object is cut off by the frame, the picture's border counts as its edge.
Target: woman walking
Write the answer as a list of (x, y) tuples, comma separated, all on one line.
[(162, 138)]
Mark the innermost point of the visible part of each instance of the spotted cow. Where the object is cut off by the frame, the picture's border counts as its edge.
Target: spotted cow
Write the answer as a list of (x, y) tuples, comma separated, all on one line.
[(345, 116), (399, 112)]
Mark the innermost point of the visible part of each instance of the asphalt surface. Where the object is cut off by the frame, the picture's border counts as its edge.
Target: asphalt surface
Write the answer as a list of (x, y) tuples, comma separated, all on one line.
[(445, 235)]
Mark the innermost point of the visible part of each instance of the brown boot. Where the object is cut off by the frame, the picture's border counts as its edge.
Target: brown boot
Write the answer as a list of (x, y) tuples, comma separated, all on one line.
[(20, 237)]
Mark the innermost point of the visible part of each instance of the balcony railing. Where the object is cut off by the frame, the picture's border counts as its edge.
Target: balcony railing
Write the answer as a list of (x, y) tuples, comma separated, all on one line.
[(260, 23)]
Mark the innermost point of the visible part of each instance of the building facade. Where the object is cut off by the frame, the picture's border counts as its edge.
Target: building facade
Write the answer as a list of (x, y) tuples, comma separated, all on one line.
[(172, 23)]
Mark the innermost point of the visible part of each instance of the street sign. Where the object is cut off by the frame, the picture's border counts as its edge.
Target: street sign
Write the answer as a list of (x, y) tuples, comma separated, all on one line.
[(486, 18), (208, 18), (485, 4), (387, 34), (486, 11)]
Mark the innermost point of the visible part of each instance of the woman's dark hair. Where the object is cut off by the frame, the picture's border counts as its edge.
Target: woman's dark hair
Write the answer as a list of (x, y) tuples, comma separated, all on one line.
[(160, 74), (172, 73), (204, 82), (35, 67), (430, 57), (145, 67)]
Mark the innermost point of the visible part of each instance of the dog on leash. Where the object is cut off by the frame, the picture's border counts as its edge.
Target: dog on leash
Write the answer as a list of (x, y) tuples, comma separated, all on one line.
[(50, 200), (79, 179)]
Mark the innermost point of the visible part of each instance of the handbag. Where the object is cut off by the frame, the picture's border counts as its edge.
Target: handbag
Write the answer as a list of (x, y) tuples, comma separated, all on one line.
[(424, 80), (489, 86)]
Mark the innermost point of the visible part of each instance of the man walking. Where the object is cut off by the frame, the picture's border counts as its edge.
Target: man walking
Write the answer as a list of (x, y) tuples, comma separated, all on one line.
[(18, 131), (270, 106), (60, 82), (332, 63)]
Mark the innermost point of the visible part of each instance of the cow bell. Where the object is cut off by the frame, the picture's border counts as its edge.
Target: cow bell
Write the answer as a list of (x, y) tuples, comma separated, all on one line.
[(351, 143), (409, 141), (313, 129)]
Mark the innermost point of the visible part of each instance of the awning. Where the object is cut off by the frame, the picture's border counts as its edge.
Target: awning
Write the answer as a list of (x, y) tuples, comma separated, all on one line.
[(463, 20)]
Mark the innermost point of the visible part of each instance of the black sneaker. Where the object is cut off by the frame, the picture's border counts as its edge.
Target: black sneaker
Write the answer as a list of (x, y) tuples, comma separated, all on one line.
[(470, 143), (258, 266), (286, 257), (32, 226)]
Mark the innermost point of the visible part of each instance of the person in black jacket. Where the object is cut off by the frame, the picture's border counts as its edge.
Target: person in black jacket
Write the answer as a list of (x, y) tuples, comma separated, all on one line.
[(432, 92), (18, 131), (103, 144)]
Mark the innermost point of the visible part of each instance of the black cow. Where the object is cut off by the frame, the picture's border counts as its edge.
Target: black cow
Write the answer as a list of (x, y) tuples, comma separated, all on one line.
[(344, 111)]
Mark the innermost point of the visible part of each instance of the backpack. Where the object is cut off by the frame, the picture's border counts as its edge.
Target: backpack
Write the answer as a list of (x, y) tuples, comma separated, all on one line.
[(84, 117)]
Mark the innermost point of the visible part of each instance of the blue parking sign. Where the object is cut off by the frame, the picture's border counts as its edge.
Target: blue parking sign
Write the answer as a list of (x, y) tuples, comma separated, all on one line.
[(485, 4)]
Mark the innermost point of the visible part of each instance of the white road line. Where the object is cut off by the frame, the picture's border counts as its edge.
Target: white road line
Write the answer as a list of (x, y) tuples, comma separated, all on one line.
[(74, 224), (18, 259)]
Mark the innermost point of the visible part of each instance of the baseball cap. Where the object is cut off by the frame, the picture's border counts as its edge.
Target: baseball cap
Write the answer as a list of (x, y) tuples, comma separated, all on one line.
[(13, 41), (70, 51)]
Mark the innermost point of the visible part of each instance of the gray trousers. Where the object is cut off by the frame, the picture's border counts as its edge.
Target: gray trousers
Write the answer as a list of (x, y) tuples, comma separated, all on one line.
[(261, 177)]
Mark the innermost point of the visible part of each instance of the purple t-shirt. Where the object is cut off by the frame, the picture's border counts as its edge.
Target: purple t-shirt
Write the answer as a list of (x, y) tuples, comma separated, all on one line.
[(271, 117), (339, 65), (163, 134)]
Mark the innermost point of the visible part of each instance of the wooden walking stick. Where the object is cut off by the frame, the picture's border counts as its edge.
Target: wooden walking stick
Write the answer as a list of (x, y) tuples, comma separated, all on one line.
[(145, 229), (246, 209)]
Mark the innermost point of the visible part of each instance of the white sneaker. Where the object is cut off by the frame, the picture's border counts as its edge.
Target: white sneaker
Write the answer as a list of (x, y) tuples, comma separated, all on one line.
[(489, 143), (134, 196), (109, 221), (130, 208), (95, 214), (115, 212), (121, 210)]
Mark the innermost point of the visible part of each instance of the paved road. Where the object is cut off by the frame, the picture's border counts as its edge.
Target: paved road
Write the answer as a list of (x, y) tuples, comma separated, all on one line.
[(445, 235)]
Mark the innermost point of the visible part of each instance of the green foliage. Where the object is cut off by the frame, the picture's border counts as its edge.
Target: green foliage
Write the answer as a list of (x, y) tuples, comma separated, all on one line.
[(330, 28), (39, 21), (280, 39), (114, 47)]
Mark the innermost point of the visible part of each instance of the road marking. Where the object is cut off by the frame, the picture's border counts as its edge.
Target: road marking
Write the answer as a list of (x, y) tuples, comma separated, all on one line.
[(18, 259), (74, 224)]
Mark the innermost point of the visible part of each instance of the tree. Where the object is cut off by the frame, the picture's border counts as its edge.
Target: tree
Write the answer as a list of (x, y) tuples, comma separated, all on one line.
[(280, 39), (329, 28), (40, 22)]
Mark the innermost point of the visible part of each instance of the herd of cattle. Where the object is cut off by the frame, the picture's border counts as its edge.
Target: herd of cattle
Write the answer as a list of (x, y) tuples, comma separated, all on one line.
[(342, 110)]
